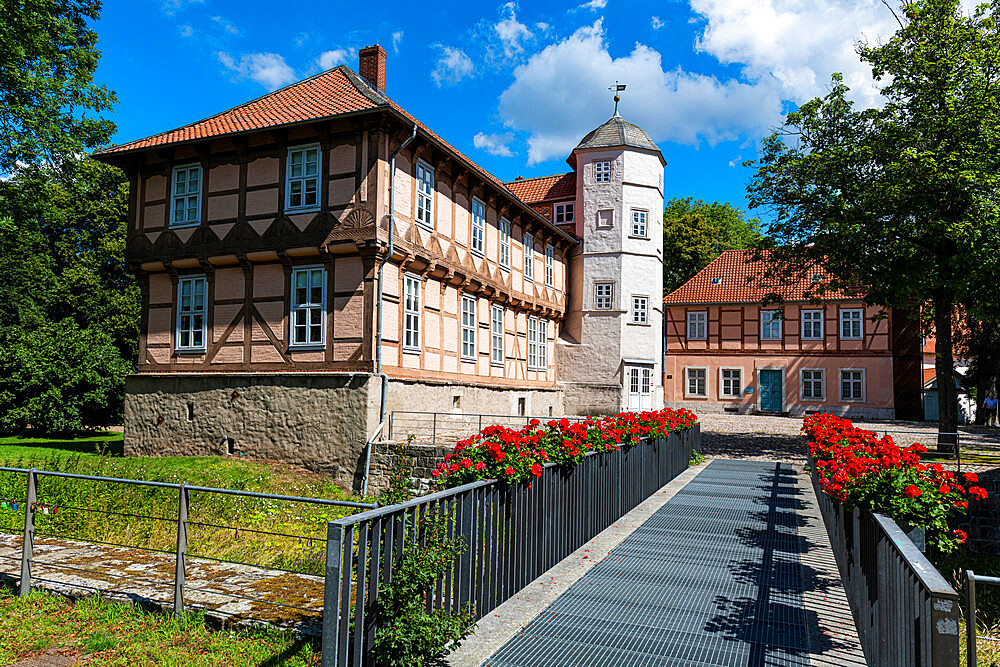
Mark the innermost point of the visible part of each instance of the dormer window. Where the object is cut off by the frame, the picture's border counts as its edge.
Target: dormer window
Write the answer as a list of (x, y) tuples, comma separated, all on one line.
[(602, 172), (302, 178), (425, 195), (562, 213), (817, 277), (716, 281)]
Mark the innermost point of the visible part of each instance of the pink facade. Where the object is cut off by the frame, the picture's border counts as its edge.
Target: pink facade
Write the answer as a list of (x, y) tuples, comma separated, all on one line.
[(797, 358)]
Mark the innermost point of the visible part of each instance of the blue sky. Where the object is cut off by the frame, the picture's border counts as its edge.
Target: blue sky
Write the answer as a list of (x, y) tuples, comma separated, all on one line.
[(513, 85)]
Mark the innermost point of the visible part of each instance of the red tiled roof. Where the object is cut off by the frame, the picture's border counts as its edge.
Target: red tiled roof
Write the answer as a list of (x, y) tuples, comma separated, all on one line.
[(732, 269), (330, 93), (544, 188), (327, 94)]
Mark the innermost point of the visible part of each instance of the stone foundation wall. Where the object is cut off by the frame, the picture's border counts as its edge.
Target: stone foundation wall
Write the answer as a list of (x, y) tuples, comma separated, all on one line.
[(591, 399), (406, 395), (424, 459), (316, 420)]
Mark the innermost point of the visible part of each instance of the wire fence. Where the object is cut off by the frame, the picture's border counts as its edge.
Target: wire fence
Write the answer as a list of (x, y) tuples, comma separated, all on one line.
[(177, 546), (975, 447)]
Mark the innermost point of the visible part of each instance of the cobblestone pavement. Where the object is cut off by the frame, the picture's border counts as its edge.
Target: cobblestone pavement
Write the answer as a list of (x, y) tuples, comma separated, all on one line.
[(229, 594), (774, 438)]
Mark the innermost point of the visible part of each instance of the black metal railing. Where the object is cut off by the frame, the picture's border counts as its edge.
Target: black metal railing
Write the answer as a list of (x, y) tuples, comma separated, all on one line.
[(905, 612), (56, 519), (451, 425), (971, 579), (513, 534)]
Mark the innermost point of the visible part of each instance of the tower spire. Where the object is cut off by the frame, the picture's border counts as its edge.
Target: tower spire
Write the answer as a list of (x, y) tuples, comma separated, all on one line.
[(617, 88)]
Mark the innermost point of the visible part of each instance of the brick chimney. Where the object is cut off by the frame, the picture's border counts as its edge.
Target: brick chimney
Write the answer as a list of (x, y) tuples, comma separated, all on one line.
[(371, 65)]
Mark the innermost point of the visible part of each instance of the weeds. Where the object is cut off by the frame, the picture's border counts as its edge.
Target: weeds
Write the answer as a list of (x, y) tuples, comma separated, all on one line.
[(400, 484)]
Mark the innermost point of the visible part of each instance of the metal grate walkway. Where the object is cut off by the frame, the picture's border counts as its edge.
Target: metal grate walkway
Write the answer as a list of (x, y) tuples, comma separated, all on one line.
[(712, 578)]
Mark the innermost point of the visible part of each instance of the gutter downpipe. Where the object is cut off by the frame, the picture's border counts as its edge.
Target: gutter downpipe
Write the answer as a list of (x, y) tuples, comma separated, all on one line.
[(378, 329)]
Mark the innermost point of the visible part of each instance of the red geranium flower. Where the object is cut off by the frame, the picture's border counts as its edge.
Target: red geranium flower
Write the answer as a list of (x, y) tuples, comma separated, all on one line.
[(912, 491)]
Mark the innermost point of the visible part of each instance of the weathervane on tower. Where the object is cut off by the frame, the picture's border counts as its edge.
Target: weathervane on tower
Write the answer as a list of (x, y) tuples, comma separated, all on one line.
[(617, 88)]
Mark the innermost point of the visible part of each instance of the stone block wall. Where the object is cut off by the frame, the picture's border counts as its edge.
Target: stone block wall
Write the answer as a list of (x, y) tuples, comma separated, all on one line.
[(319, 421), (424, 459), (982, 522)]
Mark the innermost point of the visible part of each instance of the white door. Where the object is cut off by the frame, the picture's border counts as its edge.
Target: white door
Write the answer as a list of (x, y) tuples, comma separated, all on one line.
[(640, 385)]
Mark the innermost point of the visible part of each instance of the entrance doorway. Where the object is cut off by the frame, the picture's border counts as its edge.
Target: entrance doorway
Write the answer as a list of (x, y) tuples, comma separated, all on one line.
[(640, 387), (771, 390)]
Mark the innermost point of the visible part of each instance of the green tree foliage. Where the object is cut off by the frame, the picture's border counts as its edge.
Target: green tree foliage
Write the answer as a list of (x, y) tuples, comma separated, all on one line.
[(901, 199), (696, 232), (48, 56), (69, 311)]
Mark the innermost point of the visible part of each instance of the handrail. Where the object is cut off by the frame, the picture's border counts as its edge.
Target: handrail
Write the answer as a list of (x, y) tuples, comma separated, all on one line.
[(970, 613), (369, 445), (928, 575), (412, 502)]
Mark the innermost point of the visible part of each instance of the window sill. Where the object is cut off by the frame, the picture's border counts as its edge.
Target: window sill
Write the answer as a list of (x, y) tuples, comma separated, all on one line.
[(299, 347), (505, 268), (639, 324), (411, 350), (424, 226), (190, 350), (855, 339), (695, 396), (641, 238), (727, 397), (477, 253), (811, 400), (496, 364), (295, 211), (689, 338), (184, 225)]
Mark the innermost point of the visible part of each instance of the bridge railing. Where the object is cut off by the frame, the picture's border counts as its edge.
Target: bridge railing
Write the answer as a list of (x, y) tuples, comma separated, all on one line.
[(906, 613), (512, 535)]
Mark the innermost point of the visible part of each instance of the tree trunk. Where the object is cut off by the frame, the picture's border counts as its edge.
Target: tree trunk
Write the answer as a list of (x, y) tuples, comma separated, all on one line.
[(944, 363)]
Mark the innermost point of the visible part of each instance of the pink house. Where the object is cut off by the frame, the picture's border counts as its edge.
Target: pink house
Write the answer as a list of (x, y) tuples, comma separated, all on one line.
[(727, 351)]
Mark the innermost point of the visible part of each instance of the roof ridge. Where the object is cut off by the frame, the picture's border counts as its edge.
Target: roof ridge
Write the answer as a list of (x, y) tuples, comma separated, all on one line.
[(231, 109), (363, 86), (536, 178)]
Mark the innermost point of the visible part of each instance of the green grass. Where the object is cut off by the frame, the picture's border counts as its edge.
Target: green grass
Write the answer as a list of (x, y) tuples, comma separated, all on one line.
[(20, 446), (124, 635), (82, 505)]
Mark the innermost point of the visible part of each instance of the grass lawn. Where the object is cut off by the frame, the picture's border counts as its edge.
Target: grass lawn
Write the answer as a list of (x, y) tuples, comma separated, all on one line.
[(122, 634), (148, 514)]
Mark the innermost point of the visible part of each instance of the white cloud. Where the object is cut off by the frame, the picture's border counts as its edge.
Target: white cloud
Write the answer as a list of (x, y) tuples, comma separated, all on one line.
[(268, 69), (170, 7), (226, 25), (511, 32), (557, 97), (186, 31), (453, 66), (657, 23), (594, 5), (494, 144), (302, 38), (397, 39), (330, 59)]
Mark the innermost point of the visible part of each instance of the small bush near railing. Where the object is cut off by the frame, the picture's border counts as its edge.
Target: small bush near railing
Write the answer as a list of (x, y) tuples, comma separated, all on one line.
[(409, 635), (697, 458), (400, 483), (861, 470), (518, 455)]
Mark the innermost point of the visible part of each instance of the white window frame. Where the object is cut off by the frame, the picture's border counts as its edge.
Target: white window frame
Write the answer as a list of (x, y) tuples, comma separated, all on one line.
[(723, 380), (563, 213), (423, 174), (469, 328), (602, 171), (605, 301), (640, 227), (307, 307), (550, 260), (687, 381), (859, 321), (775, 317), (610, 218), (185, 196), (803, 321), (803, 381), (496, 335), (543, 345), (702, 325), (477, 236), (191, 312), (412, 286), (303, 178), (646, 383), (504, 251), (532, 343), (640, 310), (864, 385), (529, 257)]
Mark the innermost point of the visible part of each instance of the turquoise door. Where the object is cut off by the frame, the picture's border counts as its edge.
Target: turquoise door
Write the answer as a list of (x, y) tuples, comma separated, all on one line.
[(770, 390)]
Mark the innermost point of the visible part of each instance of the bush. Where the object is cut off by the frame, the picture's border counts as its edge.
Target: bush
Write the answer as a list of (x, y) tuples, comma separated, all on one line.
[(514, 456), (861, 470), (408, 635)]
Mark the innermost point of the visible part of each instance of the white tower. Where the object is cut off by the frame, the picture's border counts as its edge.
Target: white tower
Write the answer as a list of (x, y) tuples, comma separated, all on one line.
[(611, 353)]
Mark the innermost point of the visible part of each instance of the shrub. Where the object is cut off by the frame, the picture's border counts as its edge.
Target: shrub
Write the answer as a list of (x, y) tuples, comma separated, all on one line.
[(861, 470), (399, 488), (408, 634), (514, 456)]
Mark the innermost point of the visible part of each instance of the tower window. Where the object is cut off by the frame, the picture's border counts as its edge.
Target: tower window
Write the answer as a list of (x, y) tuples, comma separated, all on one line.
[(562, 213), (602, 172)]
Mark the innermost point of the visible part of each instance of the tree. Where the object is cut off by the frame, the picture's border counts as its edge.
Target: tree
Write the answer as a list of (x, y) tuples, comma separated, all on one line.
[(696, 232), (902, 199), (978, 340), (48, 56), (69, 311)]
